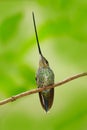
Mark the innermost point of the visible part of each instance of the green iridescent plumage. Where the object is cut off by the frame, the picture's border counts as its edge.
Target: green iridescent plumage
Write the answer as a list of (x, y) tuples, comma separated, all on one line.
[(44, 77)]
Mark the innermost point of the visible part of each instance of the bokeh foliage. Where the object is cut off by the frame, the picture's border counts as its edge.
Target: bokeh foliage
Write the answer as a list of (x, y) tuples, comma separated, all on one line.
[(62, 30)]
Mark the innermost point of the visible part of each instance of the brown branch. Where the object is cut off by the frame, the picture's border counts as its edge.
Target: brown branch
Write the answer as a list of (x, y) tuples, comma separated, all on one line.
[(33, 91)]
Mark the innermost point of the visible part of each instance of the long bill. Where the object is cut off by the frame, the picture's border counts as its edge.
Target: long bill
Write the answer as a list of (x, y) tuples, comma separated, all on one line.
[(36, 34)]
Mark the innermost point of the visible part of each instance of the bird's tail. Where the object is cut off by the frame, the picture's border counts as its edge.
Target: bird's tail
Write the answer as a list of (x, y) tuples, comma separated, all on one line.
[(47, 100)]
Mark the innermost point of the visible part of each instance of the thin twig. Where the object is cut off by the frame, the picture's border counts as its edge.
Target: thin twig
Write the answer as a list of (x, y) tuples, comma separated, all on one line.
[(33, 91)]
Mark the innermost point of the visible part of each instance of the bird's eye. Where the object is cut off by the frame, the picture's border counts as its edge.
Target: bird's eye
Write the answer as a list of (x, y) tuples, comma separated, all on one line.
[(46, 62)]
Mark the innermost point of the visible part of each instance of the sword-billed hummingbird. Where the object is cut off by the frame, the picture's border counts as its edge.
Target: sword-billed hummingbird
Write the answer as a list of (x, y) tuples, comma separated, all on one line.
[(44, 77)]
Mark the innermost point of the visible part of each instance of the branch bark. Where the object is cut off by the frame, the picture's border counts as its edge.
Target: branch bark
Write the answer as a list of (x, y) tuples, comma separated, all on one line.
[(33, 91)]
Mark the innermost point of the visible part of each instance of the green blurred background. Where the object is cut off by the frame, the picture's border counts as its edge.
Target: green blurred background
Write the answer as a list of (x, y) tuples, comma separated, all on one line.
[(62, 30)]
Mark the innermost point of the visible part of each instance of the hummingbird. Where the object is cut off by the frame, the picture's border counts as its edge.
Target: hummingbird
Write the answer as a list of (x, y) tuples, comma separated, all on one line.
[(44, 76)]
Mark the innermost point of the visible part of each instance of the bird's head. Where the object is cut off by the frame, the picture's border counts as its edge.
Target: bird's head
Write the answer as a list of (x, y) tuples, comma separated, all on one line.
[(43, 62)]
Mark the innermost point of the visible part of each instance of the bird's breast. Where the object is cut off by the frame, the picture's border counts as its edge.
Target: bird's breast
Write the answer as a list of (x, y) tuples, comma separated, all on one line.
[(45, 77)]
